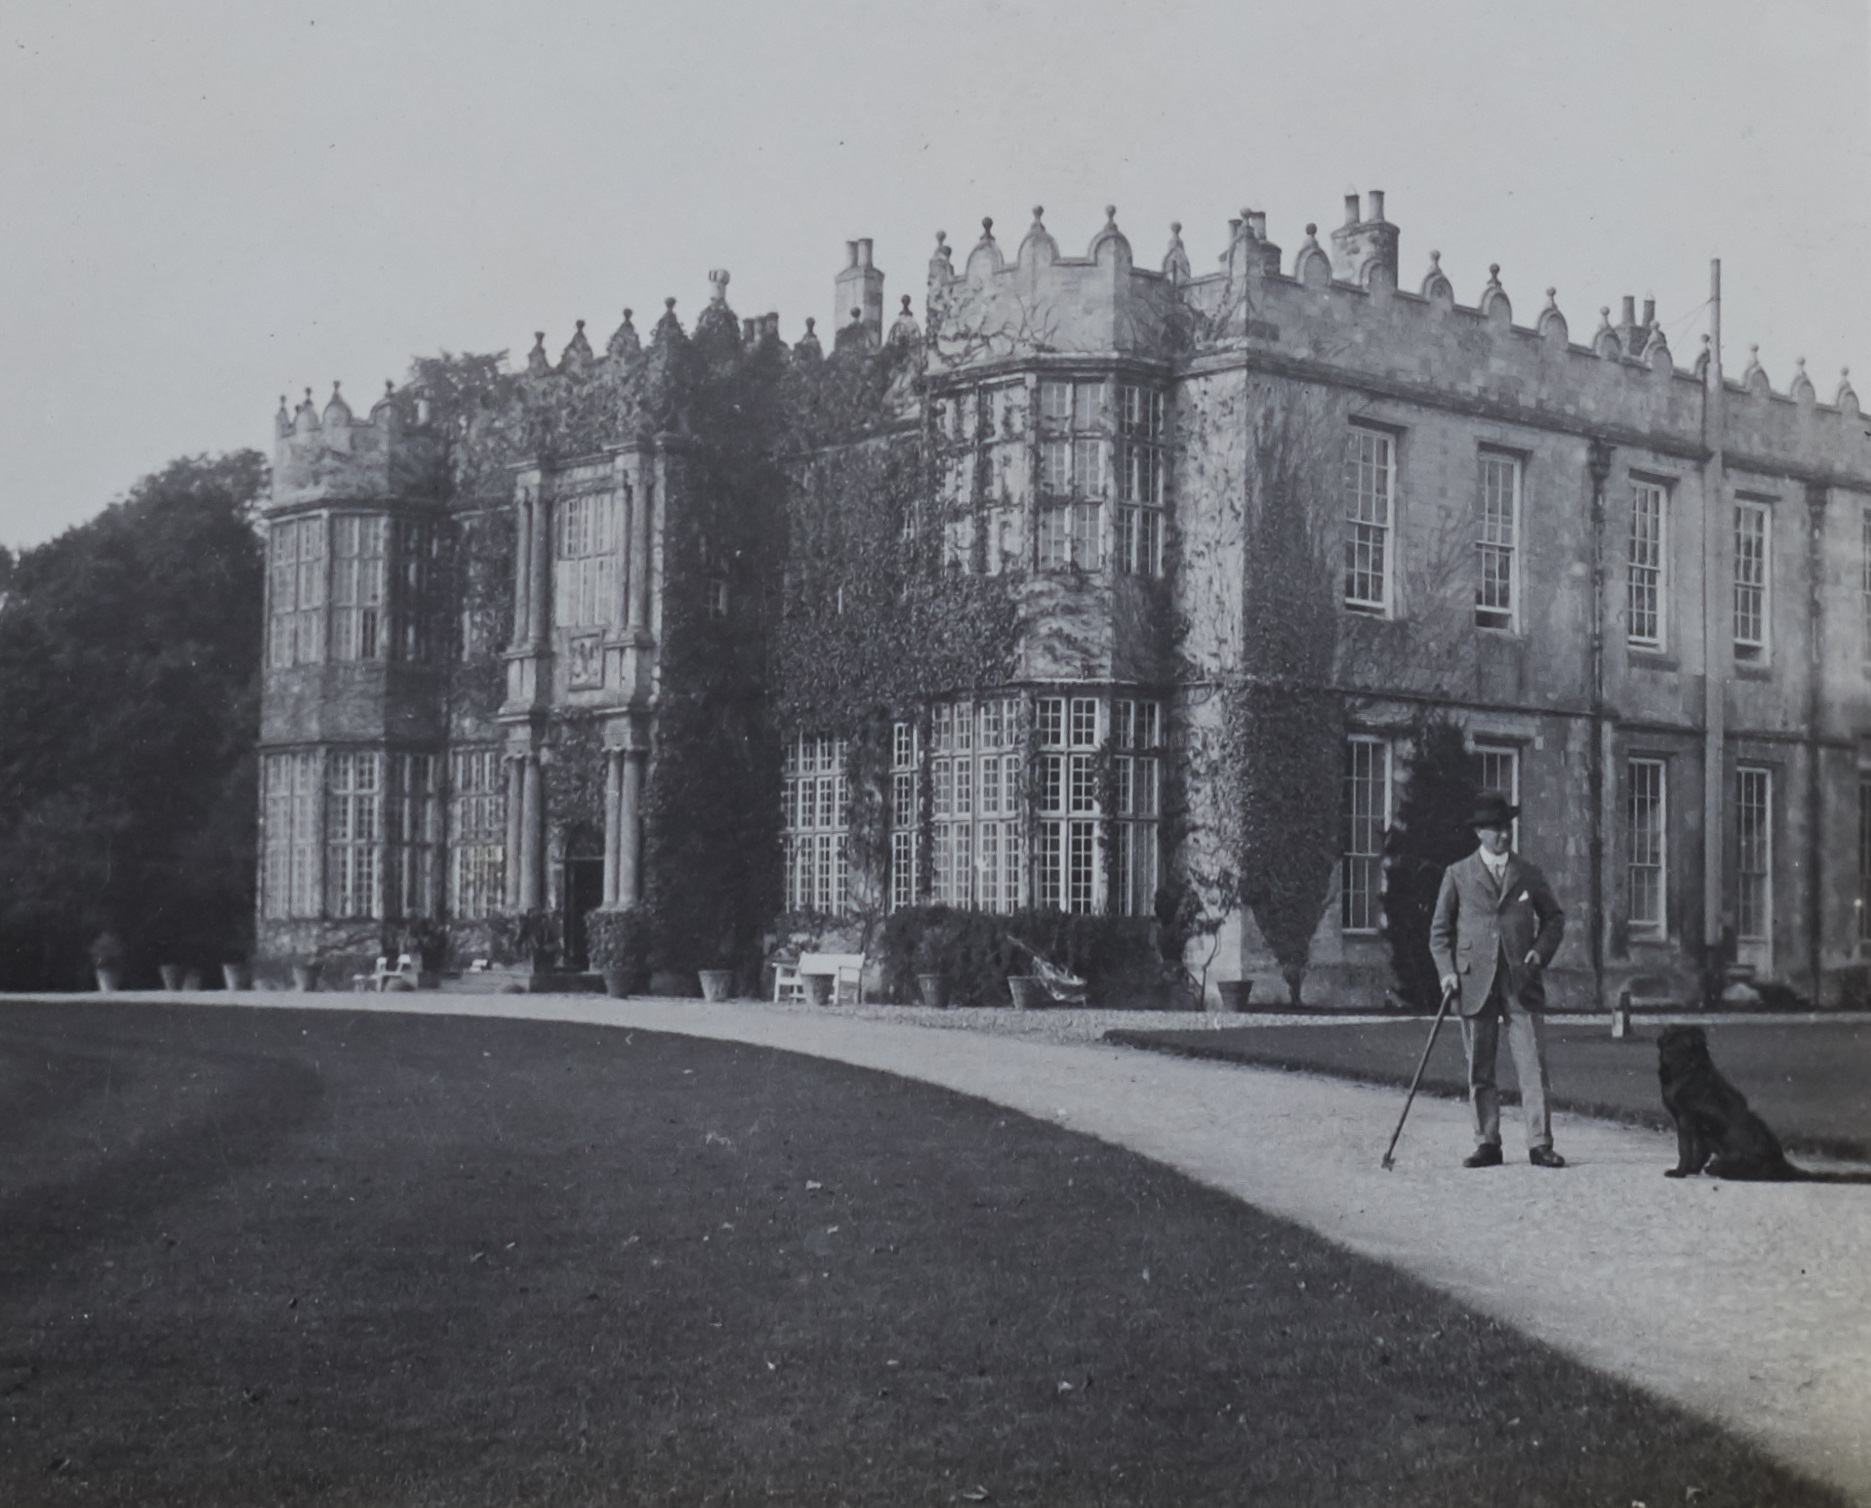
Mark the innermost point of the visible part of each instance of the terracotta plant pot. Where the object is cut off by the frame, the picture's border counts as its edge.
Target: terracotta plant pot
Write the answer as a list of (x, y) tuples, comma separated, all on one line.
[(171, 975), (109, 980), (1029, 992), (818, 988), (717, 984), (236, 977), (1234, 995), (305, 977), (935, 990), (616, 983)]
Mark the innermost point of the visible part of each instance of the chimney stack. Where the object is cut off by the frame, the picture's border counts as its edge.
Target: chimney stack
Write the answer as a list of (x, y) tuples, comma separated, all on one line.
[(1361, 247), (860, 286)]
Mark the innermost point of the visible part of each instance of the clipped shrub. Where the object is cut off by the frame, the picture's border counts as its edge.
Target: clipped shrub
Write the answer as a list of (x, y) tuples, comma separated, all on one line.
[(1118, 957), (620, 939)]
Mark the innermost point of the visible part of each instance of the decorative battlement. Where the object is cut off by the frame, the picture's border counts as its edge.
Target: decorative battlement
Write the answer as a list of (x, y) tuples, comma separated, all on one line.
[(331, 454)]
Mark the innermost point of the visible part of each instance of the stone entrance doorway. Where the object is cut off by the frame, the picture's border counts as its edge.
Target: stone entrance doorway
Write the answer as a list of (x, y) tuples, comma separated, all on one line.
[(583, 890)]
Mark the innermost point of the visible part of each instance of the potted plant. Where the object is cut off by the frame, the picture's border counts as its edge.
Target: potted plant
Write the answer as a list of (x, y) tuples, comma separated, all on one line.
[(531, 937), (107, 961), (717, 984), (305, 973), (617, 942), (424, 939), (1234, 995), (933, 960)]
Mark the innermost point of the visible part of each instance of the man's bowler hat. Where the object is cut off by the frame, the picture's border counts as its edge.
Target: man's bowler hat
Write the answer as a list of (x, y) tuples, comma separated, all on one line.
[(1492, 810)]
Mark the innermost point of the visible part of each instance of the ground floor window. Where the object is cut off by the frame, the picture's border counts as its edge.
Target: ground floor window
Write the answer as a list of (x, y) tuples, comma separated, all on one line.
[(1499, 769), (1367, 815), (1646, 843), (289, 868), (478, 833), (1753, 853), (817, 810), (975, 804), (1864, 857)]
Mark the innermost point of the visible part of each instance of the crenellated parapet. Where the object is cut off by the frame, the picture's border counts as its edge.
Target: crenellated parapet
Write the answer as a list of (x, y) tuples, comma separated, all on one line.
[(331, 455)]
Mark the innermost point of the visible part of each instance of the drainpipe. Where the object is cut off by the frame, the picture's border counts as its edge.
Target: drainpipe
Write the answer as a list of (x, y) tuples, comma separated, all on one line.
[(1599, 462), (1815, 706), (1717, 637)]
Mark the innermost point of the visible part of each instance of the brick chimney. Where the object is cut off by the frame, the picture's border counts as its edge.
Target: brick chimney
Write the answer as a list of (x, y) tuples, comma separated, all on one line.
[(860, 286), (1364, 241)]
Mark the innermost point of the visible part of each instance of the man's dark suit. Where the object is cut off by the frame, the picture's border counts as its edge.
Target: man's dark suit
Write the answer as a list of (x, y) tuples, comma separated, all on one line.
[(1482, 934)]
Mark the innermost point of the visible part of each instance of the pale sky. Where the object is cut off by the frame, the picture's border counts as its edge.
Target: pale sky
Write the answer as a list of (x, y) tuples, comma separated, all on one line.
[(206, 203)]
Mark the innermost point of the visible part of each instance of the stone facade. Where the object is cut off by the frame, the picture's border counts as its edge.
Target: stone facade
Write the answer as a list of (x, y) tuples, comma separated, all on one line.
[(1643, 588)]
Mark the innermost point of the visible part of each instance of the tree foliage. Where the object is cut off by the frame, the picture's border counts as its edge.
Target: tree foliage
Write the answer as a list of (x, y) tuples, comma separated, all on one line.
[(129, 666), (1428, 833)]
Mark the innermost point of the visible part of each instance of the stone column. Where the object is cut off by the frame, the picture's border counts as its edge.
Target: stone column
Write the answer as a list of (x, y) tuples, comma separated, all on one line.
[(626, 551), (541, 585), (522, 567), (613, 830), (644, 505), (532, 837), (516, 830), (630, 829), (1814, 878)]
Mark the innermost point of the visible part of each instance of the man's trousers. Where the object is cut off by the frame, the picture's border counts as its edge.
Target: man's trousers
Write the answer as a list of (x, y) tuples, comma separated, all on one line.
[(1526, 1038)]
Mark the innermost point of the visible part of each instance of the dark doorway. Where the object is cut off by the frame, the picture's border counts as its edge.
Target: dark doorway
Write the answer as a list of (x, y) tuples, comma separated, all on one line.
[(584, 891)]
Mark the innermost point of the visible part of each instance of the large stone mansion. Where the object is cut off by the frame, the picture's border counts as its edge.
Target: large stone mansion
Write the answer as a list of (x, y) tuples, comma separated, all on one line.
[(704, 622)]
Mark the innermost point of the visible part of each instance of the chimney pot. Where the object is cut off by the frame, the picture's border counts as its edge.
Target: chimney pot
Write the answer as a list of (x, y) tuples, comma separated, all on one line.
[(1376, 198), (1257, 222), (1630, 311), (864, 252), (1351, 209), (1650, 312), (851, 253)]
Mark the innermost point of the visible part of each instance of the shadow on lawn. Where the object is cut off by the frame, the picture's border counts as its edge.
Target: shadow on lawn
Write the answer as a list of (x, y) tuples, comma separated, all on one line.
[(248, 1106)]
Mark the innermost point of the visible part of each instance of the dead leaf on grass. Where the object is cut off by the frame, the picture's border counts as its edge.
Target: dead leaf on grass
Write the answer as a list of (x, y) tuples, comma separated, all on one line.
[(975, 1495), (813, 1185)]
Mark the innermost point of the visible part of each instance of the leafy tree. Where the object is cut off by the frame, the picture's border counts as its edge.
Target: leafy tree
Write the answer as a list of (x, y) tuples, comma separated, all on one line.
[(129, 665), (1429, 833)]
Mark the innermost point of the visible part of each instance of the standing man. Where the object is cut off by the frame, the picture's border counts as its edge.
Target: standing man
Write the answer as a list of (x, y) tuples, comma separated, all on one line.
[(1496, 927)]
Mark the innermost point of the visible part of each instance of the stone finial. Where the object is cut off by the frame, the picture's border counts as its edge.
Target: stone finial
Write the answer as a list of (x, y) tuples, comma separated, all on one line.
[(1605, 339), (537, 363), (305, 416), (282, 421), (1754, 378), (987, 230), (1552, 324), (1704, 358), (1656, 349), (808, 348), (1494, 303), (386, 405), (1802, 388), (1846, 401), (577, 353), (1436, 284), (625, 344), (941, 260), (1176, 259), (337, 411), (1039, 244), (1110, 238), (905, 330), (1311, 266)]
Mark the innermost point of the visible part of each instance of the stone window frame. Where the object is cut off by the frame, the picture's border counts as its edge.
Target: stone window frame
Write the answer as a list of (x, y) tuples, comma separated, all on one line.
[(1141, 466), (1491, 549), (1754, 852), (1366, 821), (1360, 532), (1753, 580), (1647, 577), (1074, 471), (1647, 845), (477, 831)]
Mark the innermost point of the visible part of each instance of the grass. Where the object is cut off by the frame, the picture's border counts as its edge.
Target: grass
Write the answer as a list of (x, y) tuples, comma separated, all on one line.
[(1810, 1081), (282, 1257)]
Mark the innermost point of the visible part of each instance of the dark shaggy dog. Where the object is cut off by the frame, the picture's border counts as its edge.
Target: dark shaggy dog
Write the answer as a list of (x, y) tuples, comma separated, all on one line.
[(1714, 1127)]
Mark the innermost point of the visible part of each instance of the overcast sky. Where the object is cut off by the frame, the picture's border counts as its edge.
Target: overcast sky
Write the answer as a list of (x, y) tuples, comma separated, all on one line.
[(204, 205)]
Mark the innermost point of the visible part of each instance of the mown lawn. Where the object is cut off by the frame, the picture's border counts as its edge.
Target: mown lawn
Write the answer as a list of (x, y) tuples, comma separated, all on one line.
[(279, 1257), (1810, 1080)]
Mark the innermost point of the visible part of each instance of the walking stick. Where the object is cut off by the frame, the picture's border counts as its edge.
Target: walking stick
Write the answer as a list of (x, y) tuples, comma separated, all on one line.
[(1428, 1047)]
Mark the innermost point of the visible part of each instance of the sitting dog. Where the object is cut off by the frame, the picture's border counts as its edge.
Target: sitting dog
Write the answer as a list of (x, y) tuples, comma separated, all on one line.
[(1714, 1127)]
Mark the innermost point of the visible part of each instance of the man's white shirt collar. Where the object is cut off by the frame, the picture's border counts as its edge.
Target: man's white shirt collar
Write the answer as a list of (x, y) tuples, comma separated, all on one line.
[(1497, 863)]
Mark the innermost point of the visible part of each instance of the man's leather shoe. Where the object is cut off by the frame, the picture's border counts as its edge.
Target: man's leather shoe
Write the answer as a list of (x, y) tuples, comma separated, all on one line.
[(1545, 1157), (1487, 1155)]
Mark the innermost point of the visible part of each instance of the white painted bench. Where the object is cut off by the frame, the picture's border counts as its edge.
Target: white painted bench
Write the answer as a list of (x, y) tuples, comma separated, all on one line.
[(842, 968)]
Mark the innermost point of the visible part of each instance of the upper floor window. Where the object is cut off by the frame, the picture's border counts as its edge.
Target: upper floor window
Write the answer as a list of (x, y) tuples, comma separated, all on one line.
[(586, 590), (1497, 541), (1751, 577), (1073, 445), (358, 573), (1140, 480), (1370, 483), (297, 631), (1644, 597), (1864, 583)]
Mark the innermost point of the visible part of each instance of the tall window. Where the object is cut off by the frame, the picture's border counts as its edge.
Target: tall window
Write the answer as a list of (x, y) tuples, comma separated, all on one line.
[(817, 811), (1072, 474), (1140, 480), (1864, 856), (357, 586), (1646, 842), (1644, 586), (415, 554), (1750, 581), (585, 591), (974, 770), (1754, 853), (1370, 477), (297, 630), (1864, 582), (1367, 814), (478, 833), (1499, 767), (1066, 865), (410, 818), (1136, 742), (905, 811), (289, 879), (353, 832), (1497, 543)]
